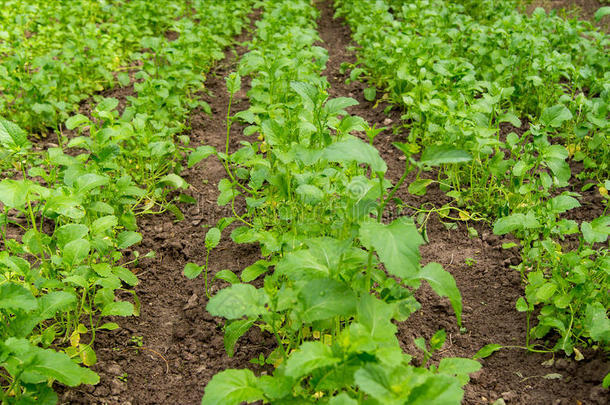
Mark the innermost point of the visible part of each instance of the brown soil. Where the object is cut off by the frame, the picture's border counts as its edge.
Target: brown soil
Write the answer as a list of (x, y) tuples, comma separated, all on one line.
[(574, 9), (182, 345)]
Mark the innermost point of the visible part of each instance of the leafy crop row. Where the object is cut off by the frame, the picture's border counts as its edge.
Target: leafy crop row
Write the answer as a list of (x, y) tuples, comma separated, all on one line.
[(519, 97), (71, 211), (335, 276)]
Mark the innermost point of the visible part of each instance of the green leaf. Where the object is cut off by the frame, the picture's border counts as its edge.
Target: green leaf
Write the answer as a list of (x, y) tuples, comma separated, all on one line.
[(596, 231), (212, 238), (103, 224), (128, 238), (237, 301), (563, 203), (174, 181), (325, 298), (12, 136), (309, 194), (253, 271), (228, 276), (199, 154), (601, 13), (107, 104), (376, 316), (70, 232), (119, 308), (338, 105), (514, 222), (309, 357), (443, 283), (308, 92), (555, 116), (75, 252), (14, 194), (232, 387), (89, 181), (191, 270), (342, 399), (76, 121), (233, 82), (606, 382), (126, 275), (521, 305), (487, 351), (53, 302), (597, 322), (436, 155), (396, 244), (233, 331), (418, 187), (370, 93), (15, 296), (545, 292), (352, 149)]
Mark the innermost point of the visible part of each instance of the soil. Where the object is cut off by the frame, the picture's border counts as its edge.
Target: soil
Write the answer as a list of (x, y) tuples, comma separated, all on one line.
[(169, 353)]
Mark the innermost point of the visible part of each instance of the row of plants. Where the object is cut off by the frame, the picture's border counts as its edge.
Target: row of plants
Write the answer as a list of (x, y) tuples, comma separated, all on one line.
[(70, 212), (334, 277), (55, 54), (520, 97)]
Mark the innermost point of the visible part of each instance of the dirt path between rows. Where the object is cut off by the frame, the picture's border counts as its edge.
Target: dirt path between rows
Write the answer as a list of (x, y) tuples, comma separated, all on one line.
[(169, 353)]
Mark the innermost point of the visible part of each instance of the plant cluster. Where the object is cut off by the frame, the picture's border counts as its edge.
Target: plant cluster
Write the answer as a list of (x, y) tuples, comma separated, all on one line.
[(522, 96), (336, 276), (70, 212)]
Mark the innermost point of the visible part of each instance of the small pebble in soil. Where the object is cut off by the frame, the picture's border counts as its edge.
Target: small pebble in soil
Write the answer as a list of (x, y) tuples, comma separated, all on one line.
[(117, 387), (114, 369), (509, 396)]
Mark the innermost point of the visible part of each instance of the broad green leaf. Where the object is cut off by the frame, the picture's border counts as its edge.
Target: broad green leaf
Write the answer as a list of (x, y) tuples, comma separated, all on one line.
[(302, 264), (237, 301), (191, 270), (309, 357), (418, 187), (555, 116), (14, 296), (438, 389), (103, 224), (436, 155), (325, 298), (107, 104), (76, 251), (173, 180), (596, 231), (233, 331), (601, 13), (521, 305), (233, 81), (77, 121), (352, 149), (487, 351), (199, 154), (12, 136), (597, 322), (309, 194), (514, 222), (212, 238), (545, 292), (563, 203), (13, 193), (119, 308), (338, 105), (125, 275), (396, 244), (308, 92), (443, 283), (253, 271), (66, 205), (376, 316), (370, 94), (70, 232), (53, 302), (606, 382), (232, 387), (52, 364), (228, 276), (373, 380), (89, 181), (126, 239)]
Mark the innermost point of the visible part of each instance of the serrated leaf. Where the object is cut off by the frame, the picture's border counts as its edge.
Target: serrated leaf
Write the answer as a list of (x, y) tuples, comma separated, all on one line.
[(74, 252), (212, 238), (103, 224), (309, 194), (418, 187), (342, 399), (521, 305), (237, 301), (228, 276), (68, 233), (233, 82), (514, 222), (370, 94), (253, 271), (232, 387), (76, 121), (199, 154), (555, 116), (53, 302), (596, 231), (563, 203), (338, 105), (12, 136), (119, 308), (487, 351), (597, 322), (325, 298)]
